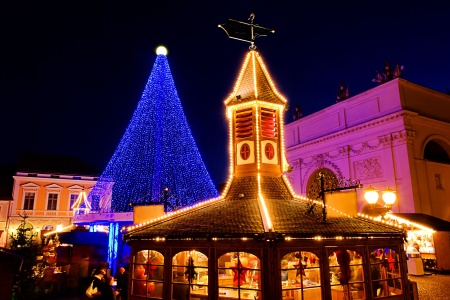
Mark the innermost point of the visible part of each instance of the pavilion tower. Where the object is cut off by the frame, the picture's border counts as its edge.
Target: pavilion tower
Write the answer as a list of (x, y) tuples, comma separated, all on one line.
[(255, 111), (157, 160)]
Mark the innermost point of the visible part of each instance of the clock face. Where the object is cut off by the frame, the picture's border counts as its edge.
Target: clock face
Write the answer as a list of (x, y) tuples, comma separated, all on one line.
[(245, 151), (269, 151)]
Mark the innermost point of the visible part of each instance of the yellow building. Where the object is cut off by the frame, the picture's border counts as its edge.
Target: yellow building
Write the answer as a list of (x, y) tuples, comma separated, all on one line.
[(46, 199)]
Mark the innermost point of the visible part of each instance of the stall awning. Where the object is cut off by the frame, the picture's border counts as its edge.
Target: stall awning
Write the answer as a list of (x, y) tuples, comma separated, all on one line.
[(425, 220), (84, 238)]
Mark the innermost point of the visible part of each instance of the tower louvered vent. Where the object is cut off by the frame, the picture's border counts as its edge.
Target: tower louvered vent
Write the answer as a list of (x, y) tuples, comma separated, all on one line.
[(244, 123), (269, 123)]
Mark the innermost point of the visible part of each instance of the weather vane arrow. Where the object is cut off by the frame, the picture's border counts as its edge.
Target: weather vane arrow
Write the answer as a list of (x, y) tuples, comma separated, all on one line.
[(246, 32)]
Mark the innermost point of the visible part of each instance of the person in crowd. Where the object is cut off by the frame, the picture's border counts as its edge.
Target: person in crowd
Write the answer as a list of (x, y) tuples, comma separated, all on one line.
[(122, 284), (375, 272), (98, 280), (101, 266), (106, 290)]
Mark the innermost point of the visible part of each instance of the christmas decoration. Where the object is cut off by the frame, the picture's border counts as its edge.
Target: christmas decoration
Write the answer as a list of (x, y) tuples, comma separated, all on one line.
[(157, 160), (23, 244), (343, 259), (299, 266), (239, 274), (190, 272)]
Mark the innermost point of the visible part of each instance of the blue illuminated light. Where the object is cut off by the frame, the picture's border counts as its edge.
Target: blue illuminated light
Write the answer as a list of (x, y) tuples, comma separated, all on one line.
[(157, 159), (113, 240)]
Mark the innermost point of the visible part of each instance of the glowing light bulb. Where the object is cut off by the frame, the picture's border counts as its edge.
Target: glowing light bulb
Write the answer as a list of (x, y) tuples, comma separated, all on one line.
[(161, 50)]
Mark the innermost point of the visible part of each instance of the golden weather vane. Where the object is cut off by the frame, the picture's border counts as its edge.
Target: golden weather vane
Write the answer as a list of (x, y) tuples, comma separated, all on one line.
[(246, 32)]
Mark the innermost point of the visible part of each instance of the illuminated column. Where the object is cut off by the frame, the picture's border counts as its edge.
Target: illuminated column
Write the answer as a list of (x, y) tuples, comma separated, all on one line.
[(113, 244)]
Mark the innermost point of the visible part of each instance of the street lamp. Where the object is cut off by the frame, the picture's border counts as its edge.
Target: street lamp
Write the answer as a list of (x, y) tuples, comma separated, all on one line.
[(388, 195), (371, 195)]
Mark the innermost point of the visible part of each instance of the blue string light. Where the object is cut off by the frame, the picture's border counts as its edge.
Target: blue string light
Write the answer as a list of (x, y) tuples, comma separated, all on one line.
[(157, 160)]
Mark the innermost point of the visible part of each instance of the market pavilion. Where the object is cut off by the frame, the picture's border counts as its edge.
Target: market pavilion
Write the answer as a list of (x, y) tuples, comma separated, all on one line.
[(257, 240)]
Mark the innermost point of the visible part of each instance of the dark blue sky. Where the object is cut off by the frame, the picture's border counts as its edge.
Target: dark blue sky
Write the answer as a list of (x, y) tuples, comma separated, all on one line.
[(71, 75)]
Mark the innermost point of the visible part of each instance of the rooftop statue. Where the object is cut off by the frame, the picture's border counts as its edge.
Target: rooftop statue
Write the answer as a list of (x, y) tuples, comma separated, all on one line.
[(388, 74)]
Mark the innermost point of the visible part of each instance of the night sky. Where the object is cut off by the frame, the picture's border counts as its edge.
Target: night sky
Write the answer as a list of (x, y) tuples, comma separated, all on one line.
[(72, 73)]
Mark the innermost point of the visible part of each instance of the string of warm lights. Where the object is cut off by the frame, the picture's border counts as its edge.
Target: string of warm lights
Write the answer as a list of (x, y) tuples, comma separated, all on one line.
[(409, 223), (320, 204), (239, 79), (255, 80), (82, 199), (379, 220), (267, 75), (258, 148), (263, 207), (59, 229), (173, 214), (253, 103), (253, 54), (157, 151)]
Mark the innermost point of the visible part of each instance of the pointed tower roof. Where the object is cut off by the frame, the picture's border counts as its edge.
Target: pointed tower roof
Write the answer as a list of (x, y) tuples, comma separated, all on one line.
[(254, 83), (157, 160)]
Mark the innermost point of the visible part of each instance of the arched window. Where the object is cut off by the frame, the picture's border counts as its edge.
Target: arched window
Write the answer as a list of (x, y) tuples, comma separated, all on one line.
[(385, 273), (347, 275), (300, 276), (239, 276), (189, 275), (314, 187), (148, 270), (436, 152)]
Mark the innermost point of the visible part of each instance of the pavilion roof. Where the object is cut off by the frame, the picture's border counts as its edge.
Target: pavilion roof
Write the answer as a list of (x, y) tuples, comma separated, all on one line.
[(238, 214)]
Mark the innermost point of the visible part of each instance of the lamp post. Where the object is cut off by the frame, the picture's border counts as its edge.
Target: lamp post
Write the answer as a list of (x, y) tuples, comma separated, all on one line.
[(388, 195)]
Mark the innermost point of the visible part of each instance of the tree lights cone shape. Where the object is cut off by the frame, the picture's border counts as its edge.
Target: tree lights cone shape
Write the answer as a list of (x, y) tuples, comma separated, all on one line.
[(157, 160)]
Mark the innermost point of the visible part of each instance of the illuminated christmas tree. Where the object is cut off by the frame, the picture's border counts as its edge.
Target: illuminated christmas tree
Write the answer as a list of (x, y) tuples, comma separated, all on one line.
[(157, 160)]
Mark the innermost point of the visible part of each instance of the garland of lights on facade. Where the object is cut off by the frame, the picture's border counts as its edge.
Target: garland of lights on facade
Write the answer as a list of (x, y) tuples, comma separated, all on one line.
[(157, 160)]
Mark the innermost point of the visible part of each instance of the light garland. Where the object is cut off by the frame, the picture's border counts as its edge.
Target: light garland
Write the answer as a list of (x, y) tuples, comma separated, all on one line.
[(81, 205), (268, 225), (61, 229), (379, 220), (272, 84), (157, 151), (401, 220), (258, 148), (238, 81), (173, 214), (255, 81), (253, 54)]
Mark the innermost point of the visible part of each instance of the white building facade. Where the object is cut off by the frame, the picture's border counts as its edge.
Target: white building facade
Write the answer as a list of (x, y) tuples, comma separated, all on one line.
[(395, 135)]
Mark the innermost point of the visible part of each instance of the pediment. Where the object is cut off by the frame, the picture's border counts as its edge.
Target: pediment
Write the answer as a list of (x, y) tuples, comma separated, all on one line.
[(53, 186), (30, 185), (75, 187)]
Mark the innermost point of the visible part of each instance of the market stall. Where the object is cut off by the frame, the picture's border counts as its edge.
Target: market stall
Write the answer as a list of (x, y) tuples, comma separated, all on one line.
[(428, 236)]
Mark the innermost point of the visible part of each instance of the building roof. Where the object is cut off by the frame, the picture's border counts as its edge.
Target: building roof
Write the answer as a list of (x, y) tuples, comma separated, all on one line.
[(425, 220), (238, 214), (254, 83)]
